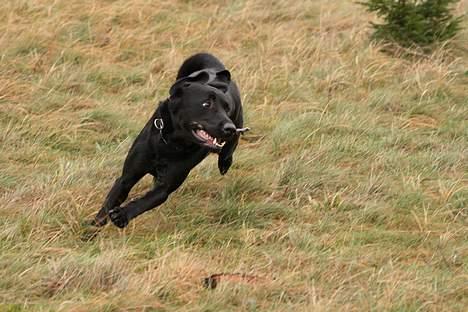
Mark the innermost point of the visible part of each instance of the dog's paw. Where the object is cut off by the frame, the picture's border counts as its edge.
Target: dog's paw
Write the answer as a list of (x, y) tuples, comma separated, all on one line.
[(118, 217), (224, 164)]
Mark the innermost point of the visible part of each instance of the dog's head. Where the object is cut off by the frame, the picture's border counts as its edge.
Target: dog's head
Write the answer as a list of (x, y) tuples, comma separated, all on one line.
[(200, 107)]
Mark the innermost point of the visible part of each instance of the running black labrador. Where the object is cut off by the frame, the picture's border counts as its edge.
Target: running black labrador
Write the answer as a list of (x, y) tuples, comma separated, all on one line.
[(203, 114)]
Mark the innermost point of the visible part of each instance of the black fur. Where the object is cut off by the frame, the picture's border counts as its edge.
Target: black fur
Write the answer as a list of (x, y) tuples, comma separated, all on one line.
[(170, 153)]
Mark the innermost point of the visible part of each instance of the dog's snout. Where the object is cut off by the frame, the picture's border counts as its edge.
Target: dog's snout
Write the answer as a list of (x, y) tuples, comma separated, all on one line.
[(229, 129)]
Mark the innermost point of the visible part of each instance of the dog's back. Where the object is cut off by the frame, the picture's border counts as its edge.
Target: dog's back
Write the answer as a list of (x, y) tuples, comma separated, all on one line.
[(198, 62)]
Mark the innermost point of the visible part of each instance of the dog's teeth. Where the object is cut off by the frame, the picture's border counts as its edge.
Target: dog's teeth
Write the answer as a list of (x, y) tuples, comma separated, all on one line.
[(218, 144)]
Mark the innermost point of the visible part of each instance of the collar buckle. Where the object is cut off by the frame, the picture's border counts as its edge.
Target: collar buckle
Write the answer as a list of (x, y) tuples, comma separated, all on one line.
[(159, 124)]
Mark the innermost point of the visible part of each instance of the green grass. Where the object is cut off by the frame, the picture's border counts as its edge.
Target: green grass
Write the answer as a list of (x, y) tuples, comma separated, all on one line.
[(349, 193)]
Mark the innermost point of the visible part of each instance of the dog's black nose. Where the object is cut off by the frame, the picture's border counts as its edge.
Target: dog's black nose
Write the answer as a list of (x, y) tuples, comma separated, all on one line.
[(229, 129)]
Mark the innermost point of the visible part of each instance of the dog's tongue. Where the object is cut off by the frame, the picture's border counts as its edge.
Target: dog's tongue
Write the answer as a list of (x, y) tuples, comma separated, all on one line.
[(209, 139), (203, 134)]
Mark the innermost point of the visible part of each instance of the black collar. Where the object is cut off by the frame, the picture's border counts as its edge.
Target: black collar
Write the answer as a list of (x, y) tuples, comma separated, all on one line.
[(162, 121)]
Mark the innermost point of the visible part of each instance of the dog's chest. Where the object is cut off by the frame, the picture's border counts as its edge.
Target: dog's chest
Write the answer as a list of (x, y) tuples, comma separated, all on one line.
[(184, 160)]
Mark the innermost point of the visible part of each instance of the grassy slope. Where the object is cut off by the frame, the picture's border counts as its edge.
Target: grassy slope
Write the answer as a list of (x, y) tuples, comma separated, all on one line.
[(350, 192)]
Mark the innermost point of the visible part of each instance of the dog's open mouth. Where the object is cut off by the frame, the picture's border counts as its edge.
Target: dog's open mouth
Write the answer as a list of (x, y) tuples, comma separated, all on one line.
[(207, 139)]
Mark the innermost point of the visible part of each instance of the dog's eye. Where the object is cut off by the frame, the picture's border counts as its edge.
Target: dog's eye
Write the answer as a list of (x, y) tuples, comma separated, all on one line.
[(206, 104)]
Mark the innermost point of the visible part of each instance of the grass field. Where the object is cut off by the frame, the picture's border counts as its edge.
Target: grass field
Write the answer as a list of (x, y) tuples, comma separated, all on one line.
[(349, 194)]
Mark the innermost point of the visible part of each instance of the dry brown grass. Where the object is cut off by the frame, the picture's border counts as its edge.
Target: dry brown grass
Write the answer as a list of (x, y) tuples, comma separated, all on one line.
[(349, 194)]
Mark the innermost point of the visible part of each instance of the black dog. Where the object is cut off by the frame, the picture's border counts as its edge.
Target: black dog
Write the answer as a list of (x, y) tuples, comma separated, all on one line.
[(203, 114)]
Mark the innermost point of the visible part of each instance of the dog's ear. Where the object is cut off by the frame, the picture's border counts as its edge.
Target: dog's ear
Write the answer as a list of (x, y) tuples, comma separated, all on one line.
[(175, 91), (199, 77), (224, 76), (164, 109)]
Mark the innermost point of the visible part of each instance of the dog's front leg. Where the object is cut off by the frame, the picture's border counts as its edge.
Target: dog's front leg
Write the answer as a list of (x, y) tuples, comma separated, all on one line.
[(117, 195), (133, 170), (225, 156), (120, 216)]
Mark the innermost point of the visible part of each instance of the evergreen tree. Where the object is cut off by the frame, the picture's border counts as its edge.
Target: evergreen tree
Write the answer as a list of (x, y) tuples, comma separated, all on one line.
[(412, 23)]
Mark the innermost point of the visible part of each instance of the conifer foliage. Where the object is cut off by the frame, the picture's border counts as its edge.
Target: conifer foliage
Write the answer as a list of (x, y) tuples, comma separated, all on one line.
[(410, 23)]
